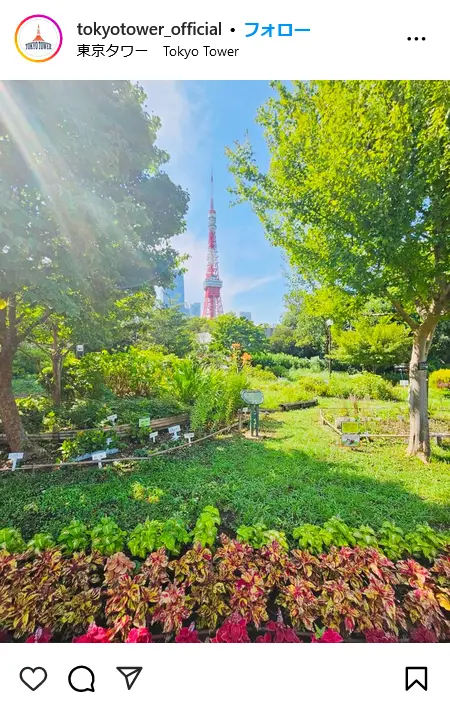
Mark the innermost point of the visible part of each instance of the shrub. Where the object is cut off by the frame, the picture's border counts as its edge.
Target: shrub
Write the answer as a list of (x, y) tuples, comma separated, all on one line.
[(80, 378), (32, 410), (363, 385), (440, 379), (135, 372), (218, 400)]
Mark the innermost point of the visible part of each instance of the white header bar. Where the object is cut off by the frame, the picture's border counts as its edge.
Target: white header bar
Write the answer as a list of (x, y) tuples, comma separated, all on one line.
[(349, 39)]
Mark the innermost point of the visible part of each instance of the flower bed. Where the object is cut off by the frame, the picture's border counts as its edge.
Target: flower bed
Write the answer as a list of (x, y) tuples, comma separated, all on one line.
[(236, 593)]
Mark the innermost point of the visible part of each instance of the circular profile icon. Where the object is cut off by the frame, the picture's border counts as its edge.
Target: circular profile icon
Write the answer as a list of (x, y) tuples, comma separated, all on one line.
[(38, 38)]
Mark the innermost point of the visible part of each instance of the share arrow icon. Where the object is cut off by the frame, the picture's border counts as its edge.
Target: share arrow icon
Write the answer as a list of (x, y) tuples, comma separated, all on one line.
[(131, 674)]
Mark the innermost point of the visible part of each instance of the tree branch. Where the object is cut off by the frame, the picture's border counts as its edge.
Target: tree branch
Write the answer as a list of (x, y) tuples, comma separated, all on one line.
[(413, 324), (31, 327)]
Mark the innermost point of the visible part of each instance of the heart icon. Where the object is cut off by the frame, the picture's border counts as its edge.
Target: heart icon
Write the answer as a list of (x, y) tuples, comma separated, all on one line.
[(33, 677)]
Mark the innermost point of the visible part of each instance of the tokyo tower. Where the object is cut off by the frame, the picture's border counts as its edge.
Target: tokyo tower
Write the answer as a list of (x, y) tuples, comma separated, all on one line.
[(212, 306)]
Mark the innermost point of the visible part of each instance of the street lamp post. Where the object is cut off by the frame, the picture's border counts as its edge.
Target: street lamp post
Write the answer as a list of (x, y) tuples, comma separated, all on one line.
[(329, 323)]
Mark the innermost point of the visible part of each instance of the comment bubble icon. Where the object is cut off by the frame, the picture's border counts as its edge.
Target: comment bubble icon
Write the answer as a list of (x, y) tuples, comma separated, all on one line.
[(82, 679)]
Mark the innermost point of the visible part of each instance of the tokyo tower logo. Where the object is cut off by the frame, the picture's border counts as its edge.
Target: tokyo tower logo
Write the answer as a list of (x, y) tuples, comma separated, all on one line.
[(38, 38)]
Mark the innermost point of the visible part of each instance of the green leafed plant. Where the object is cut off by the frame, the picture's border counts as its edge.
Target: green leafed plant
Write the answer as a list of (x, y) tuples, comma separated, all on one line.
[(391, 540), (11, 540), (41, 542), (312, 538), (205, 531), (107, 538), (341, 534), (258, 535), (74, 537), (424, 541), (144, 538)]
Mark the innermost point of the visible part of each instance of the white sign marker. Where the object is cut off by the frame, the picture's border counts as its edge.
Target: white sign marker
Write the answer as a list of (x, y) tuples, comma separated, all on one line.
[(153, 436), (15, 457), (175, 430), (112, 418), (98, 457), (80, 348), (108, 441), (189, 437), (404, 382)]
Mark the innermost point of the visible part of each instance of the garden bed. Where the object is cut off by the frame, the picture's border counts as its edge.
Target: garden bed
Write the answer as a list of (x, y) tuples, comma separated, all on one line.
[(384, 424), (234, 593)]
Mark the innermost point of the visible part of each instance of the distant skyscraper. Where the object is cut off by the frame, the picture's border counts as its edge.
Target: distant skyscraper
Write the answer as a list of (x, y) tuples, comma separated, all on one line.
[(195, 310), (174, 297), (245, 314)]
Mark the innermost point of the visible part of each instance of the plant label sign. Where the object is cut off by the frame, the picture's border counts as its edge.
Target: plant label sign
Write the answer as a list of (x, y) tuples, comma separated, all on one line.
[(108, 441), (189, 437), (349, 428), (153, 436), (112, 419), (98, 457), (252, 396), (15, 457), (404, 382), (350, 439), (80, 348), (175, 430), (144, 422)]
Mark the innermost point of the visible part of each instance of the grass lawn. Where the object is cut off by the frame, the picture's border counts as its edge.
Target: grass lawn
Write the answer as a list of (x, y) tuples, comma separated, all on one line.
[(298, 474)]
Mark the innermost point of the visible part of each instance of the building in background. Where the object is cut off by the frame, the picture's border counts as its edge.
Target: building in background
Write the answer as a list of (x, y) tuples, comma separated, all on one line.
[(195, 310), (175, 296), (269, 330), (245, 314)]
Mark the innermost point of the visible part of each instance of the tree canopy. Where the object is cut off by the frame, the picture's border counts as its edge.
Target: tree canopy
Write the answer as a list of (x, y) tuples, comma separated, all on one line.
[(85, 207), (358, 194)]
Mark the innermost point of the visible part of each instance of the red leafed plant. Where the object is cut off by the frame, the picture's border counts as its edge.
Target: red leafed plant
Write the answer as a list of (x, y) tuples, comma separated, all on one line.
[(278, 632), (173, 607), (377, 635), (249, 598), (187, 635), (301, 603), (41, 635), (139, 635), (327, 635), (423, 635), (234, 630), (94, 634)]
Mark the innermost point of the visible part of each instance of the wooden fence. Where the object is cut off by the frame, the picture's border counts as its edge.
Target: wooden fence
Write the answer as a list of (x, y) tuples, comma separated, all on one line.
[(121, 430)]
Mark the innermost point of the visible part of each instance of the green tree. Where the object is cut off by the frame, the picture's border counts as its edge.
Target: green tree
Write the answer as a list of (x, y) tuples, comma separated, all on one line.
[(375, 346), (229, 329), (167, 328), (358, 194), (85, 208)]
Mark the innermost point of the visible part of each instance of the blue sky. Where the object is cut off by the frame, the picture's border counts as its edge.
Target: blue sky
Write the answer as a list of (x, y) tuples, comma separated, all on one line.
[(200, 119)]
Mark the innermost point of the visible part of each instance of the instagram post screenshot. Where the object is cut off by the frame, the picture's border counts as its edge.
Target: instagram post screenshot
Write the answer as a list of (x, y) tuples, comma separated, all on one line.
[(224, 351)]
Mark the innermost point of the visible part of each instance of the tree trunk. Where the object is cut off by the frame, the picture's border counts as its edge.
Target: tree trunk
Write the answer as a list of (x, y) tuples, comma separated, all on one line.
[(419, 427), (57, 374), (12, 422)]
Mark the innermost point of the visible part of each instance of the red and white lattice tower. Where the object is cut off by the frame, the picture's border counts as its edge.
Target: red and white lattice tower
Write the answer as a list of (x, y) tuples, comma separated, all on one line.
[(212, 306)]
